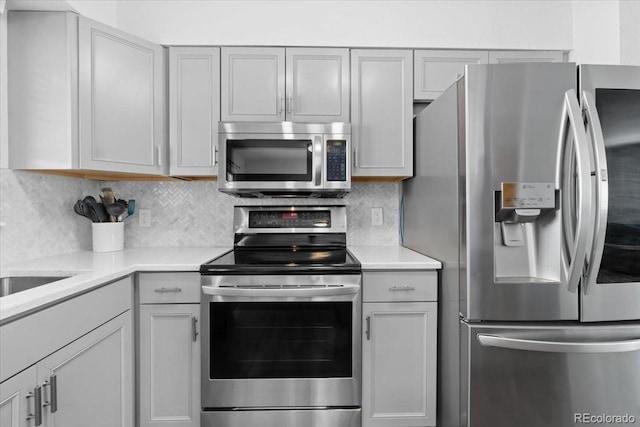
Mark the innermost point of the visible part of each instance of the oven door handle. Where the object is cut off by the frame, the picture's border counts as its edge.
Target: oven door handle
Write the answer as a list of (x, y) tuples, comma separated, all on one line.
[(293, 292)]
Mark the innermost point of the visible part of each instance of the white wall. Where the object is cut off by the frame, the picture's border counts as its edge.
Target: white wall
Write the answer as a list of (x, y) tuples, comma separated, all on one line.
[(630, 32), (518, 24), (606, 32), (596, 32), (99, 10), (4, 133)]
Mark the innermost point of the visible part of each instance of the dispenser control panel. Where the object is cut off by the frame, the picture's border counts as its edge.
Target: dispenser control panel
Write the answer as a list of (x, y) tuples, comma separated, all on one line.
[(528, 195)]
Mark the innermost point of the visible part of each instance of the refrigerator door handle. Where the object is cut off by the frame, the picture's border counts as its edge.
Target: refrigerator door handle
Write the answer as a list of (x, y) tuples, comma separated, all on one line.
[(592, 120), (488, 340), (577, 247)]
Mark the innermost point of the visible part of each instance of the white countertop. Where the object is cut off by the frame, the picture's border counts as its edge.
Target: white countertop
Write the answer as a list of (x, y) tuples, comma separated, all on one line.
[(392, 258), (91, 269)]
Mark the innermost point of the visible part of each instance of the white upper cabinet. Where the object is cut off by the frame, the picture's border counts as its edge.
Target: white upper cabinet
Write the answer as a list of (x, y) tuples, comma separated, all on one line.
[(83, 95), (510, 56), (278, 84), (436, 70), (121, 101), (382, 112), (194, 110), (317, 85), (253, 84)]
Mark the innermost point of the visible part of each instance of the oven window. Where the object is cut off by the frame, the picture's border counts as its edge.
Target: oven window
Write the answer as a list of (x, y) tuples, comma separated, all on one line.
[(269, 160), (280, 339)]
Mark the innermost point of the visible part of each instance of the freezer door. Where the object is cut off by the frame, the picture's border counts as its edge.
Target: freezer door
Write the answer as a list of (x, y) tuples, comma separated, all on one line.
[(517, 263), (550, 376), (610, 97)]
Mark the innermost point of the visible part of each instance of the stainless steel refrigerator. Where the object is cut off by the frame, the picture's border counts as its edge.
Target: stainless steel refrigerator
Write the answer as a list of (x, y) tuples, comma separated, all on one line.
[(527, 188)]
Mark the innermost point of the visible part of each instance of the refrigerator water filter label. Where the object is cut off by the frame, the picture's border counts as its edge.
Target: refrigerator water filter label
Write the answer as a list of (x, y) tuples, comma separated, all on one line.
[(528, 195)]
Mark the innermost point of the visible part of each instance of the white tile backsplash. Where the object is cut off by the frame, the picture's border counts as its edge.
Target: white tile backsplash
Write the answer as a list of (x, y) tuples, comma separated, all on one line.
[(38, 212)]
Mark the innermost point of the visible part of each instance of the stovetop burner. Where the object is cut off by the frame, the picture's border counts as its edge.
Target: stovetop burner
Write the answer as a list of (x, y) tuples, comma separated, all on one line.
[(287, 240)]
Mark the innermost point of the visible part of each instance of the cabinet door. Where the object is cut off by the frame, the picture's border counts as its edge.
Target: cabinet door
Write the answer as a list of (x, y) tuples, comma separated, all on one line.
[(17, 403), (194, 110), (317, 85), (382, 112), (399, 364), (511, 56), (253, 84), (169, 365), (91, 379), (436, 70), (121, 93)]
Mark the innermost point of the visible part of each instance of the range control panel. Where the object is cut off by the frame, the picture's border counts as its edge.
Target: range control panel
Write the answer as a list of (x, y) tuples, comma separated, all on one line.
[(336, 160), (290, 219)]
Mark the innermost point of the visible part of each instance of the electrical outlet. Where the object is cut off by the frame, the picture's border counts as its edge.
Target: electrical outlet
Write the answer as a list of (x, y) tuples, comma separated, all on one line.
[(376, 216), (144, 218)]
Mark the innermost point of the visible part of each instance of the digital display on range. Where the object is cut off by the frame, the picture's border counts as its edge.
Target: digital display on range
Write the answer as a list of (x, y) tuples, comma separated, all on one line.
[(290, 219)]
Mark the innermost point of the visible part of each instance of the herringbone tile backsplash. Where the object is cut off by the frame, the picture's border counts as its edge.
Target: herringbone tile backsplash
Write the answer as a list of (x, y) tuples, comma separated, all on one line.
[(38, 212)]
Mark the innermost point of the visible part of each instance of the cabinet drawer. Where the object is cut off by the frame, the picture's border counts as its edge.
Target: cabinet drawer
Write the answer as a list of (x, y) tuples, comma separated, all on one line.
[(400, 286), (169, 288)]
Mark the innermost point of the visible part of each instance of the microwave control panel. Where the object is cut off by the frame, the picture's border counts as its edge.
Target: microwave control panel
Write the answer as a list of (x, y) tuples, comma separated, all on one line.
[(336, 160)]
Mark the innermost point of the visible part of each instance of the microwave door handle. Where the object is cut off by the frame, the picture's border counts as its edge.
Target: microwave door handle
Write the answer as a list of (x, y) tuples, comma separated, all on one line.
[(239, 292), (577, 243), (318, 159), (592, 121)]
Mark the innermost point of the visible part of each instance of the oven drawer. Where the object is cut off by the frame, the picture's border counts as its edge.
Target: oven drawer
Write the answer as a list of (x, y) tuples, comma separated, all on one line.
[(384, 286), (169, 288), (348, 417)]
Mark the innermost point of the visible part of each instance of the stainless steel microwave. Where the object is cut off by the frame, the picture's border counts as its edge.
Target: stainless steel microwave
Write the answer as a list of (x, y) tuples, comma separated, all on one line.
[(284, 159)]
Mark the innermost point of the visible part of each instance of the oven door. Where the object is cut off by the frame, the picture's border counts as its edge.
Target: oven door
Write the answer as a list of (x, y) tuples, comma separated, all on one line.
[(268, 162), (270, 342)]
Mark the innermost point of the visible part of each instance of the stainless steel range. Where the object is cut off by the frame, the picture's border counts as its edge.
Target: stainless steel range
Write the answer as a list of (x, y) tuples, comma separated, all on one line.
[(281, 322)]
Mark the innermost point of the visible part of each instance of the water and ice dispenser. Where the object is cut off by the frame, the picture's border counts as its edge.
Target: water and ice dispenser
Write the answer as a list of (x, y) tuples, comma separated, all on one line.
[(527, 233)]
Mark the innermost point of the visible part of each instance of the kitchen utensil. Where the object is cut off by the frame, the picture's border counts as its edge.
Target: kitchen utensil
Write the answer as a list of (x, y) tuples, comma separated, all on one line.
[(100, 211), (116, 209), (79, 208), (108, 198)]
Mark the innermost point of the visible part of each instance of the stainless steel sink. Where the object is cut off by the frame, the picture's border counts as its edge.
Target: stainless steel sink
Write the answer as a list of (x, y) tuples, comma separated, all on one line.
[(11, 285)]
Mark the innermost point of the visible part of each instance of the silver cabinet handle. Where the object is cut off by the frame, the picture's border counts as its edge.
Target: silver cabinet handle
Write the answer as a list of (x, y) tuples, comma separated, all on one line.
[(488, 340), (194, 326), (402, 288), (367, 332), (281, 107), (290, 104), (37, 406), (355, 156), (215, 156), (53, 393), (601, 187), (578, 247), (159, 155), (164, 290)]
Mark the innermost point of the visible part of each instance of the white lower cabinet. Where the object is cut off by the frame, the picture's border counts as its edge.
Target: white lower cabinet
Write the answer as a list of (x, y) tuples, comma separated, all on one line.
[(169, 365), (90, 381), (169, 349), (399, 355), (71, 364), (17, 403), (86, 383)]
